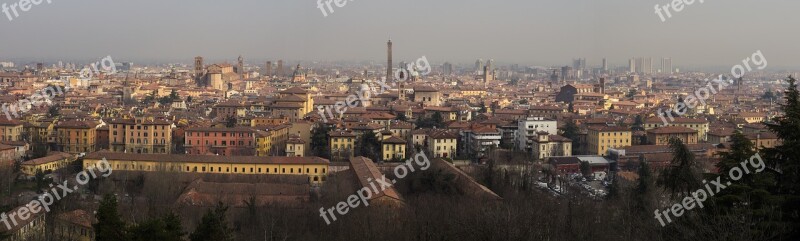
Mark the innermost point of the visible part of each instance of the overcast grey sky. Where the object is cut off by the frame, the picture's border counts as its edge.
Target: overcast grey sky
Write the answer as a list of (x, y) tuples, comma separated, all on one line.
[(717, 32)]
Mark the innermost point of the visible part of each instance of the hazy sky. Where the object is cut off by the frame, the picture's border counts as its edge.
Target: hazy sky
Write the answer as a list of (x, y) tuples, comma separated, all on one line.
[(717, 32)]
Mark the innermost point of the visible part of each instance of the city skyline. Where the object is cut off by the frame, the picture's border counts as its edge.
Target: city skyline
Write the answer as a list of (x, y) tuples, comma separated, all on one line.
[(511, 32)]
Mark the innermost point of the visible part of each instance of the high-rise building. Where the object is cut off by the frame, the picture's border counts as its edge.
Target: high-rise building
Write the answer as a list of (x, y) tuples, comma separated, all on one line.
[(647, 65), (666, 66), (565, 73), (479, 66), (269, 69), (605, 65), (389, 60), (447, 68), (579, 64), (631, 65), (280, 69)]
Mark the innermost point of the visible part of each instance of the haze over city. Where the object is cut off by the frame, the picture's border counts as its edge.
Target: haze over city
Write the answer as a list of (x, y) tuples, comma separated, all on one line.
[(363, 120), (522, 32)]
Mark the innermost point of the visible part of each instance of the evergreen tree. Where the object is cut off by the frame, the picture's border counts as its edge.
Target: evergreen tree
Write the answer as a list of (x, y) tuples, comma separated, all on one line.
[(319, 141), (401, 117), (784, 159), (173, 227), (683, 175), (585, 168), (166, 228), (213, 226), (370, 146), (572, 132), (109, 226), (437, 120), (230, 121), (614, 189), (643, 193), (53, 111)]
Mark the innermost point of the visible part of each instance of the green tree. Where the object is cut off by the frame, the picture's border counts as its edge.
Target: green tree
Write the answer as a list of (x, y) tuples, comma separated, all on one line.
[(213, 226), (166, 228), (109, 226), (572, 132), (751, 189), (638, 123), (585, 169), (614, 189), (437, 120), (53, 111), (149, 99), (401, 117), (784, 159), (370, 146), (319, 141), (643, 192), (683, 175), (769, 95), (230, 121)]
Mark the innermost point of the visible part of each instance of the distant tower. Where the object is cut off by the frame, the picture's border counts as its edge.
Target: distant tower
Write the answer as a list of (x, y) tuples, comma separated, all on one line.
[(240, 67), (605, 65), (602, 86), (389, 60), (479, 66), (487, 75), (199, 71), (280, 69), (269, 69), (198, 66), (553, 78)]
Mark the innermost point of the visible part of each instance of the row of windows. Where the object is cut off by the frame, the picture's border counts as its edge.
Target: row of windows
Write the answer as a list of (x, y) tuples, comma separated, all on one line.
[(614, 133), (85, 133), (615, 141), (139, 127), (144, 141), (388, 147), (343, 139), (439, 148), (227, 169), (224, 143), (224, 134)]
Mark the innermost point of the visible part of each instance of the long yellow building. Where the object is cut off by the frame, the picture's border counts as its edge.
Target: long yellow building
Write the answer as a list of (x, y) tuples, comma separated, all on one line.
[(315, 168)]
